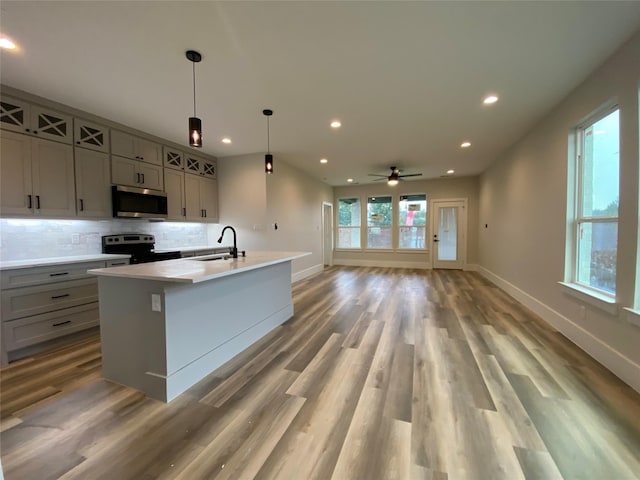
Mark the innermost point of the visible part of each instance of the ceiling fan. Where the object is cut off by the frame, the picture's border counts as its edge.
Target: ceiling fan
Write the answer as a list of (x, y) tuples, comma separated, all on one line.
[(394, 177)]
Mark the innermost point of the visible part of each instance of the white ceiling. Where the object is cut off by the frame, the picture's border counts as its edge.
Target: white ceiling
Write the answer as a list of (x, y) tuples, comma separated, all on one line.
[(405, 78)]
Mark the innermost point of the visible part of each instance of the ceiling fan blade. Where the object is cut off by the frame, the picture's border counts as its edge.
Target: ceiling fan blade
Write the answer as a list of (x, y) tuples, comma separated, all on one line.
[(380, 179), (376, 175), (411, 175)]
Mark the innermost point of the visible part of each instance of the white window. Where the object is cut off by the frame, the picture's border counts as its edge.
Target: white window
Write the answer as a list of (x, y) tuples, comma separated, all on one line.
[(349, 213), (595, 228), (412, 221), (379, 222)]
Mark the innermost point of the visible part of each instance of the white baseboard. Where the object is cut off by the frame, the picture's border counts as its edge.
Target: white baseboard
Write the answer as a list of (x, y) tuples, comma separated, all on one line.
[(381, 263), (621, 366), (471, 267), (307, 272)]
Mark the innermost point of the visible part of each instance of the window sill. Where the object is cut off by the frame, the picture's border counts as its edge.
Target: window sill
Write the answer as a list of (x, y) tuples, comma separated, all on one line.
[(344, 249), (379, 250), (421, 251), (595, 299), (633, 316)]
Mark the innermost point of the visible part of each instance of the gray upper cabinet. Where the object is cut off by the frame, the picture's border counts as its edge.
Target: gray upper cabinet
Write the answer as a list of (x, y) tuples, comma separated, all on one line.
[(24, 117), (199, 166), (90, 135), (136, 148), (173, 158), (93, 184), (37, 177)]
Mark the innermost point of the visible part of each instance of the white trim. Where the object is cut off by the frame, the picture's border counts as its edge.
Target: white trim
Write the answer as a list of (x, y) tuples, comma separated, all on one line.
[(307, 272), (324, 228), (621, 366), (381, 263), (601, 301), (632, 316)]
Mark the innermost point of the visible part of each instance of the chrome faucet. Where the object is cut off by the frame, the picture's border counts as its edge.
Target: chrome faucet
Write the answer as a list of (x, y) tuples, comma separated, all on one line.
[(234, 250)]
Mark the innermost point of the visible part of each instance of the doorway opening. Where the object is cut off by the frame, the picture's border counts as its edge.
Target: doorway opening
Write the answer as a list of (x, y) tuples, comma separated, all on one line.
[(327, 234)]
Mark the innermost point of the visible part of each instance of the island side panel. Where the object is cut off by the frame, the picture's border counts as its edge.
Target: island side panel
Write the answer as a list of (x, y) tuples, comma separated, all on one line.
[(208, 323), (132, 335)]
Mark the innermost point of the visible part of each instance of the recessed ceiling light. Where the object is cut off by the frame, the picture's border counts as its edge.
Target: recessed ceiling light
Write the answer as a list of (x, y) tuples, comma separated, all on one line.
[(490, 99), (6, 43), (349, 180), (323, 160), (336, 124), (451, 172), (465, 144), (226, 140)]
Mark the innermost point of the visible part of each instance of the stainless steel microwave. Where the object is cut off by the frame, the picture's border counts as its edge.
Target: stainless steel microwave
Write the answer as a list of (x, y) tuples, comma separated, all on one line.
[(135, 202)]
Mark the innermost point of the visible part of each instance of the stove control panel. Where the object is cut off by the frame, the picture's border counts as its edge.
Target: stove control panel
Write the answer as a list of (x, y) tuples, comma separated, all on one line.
[(128, 239)]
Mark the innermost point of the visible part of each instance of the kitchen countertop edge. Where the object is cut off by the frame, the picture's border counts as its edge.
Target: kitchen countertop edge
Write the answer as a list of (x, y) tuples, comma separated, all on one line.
[(192, 270), (49, 261)]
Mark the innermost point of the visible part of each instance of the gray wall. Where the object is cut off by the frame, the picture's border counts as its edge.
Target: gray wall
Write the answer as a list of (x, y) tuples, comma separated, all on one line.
[(523, 200), (253, 202), (446, 188)]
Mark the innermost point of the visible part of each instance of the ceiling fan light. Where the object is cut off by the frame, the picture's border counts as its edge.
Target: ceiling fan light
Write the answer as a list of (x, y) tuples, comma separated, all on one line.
[(393, 180)]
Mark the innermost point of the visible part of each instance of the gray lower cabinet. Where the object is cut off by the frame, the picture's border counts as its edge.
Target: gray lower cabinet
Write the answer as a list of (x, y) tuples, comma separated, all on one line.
[(47, 302)]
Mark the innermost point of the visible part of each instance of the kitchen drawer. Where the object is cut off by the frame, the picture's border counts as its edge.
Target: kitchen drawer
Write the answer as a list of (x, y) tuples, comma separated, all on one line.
[(39, 328), (117, 263), (23, 302), (26, 277)]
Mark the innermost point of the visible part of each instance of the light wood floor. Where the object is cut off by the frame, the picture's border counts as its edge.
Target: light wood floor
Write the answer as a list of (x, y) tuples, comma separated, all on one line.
[(381, 374)]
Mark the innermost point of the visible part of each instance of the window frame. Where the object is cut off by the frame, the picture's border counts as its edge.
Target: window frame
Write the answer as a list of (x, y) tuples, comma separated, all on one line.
[(578, 217), (390, 227), (338, 226), (424, 248)]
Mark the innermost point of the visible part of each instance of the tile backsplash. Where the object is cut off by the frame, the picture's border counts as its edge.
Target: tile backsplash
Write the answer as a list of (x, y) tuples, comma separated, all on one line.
[(22, 239)]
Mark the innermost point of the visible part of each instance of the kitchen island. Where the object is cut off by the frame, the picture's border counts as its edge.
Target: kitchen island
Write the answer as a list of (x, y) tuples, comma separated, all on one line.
[(166, 325)]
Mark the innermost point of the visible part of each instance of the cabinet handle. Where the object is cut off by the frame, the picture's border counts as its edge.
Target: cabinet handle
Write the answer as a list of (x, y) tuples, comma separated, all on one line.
[(78, 142), (30, 201), (81, 205), (205, 213), (61, 323), (27, 130), (58, 274), (59, 296), (38, 202), (137, 178), (142, 177), (35, 132), (184, 212)]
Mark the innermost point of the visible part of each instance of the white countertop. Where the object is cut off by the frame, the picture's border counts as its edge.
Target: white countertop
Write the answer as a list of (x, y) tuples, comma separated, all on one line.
[(191, 249), (43, 262), (195, 269)]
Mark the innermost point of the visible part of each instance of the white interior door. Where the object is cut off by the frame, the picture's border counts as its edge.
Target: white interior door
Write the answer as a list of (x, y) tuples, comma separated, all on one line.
[(449, 233), (327, 234)]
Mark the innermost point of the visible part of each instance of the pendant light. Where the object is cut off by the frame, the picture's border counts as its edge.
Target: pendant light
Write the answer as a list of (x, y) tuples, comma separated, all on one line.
[(195, 124), (268, 158)]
